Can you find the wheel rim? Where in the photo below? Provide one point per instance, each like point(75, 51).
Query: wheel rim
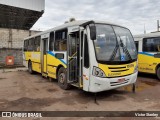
point(62, 78)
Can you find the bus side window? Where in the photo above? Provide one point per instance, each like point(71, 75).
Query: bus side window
point(30, 46)
point(33, 45)
point(37, 44)
point(86, 52)
point(51, 41)
point(25, 45)
point(61, 40)
point(137, 44)
point(150, 45)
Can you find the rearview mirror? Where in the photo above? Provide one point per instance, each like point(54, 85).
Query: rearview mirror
point(93, 32)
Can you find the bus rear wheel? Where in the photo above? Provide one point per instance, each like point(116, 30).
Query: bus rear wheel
point(30, 67)
point(62, 79)
point(158, 73)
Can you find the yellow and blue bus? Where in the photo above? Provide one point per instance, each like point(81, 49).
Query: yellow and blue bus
point(92, 55)
point(148, 46)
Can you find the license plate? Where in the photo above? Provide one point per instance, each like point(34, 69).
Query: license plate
point(121, 80)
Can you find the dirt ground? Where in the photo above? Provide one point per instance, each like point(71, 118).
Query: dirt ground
point(20, 91)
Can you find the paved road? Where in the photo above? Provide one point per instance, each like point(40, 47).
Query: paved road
point(21, 91)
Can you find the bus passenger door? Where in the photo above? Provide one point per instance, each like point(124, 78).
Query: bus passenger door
point(73, 57)
point(44, 55)
point(74, 69)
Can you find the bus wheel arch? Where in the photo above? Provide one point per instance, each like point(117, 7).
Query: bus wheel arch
point(62, 78)
point(158, 71)
point(58, 70)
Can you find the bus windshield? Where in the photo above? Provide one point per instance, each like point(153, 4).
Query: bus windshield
point(114, 43)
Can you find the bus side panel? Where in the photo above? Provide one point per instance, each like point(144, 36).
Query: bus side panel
point(36, 67)
point(52, 71)
point(147, 62)
point(52, 60)
point(52, 64)
point(27, 57)
point(35, 58)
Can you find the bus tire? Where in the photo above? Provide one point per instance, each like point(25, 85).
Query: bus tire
point(62, 79)
point(30, 67)
point(158, 73)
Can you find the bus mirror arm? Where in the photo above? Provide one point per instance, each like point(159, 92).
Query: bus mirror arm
point(92, 28)
point(93, 32)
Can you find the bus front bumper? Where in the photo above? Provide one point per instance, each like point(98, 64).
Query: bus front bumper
point(98, 84)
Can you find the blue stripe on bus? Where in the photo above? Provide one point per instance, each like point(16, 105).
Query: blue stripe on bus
point(51, 53)
point(145, 53)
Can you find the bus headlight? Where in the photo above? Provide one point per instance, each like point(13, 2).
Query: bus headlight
point(98, 72)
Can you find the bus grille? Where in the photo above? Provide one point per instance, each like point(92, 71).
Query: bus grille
point(119, 83)
point(118, 69)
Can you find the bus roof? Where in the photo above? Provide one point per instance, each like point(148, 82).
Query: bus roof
point(70, 24)
point(148, 35)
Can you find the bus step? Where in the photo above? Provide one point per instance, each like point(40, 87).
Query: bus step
point(73, 82)
point(76, 84)
point(44, 74)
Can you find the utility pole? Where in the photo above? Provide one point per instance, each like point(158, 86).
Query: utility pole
point(144, 29)
point(158, 25)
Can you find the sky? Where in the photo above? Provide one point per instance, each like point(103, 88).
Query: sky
point(133, 14)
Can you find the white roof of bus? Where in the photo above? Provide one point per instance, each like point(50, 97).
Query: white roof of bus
point(141, 36)
point(74, 23)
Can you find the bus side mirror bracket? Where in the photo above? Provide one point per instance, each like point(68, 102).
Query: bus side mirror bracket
point(92, 31)
point(59, 55)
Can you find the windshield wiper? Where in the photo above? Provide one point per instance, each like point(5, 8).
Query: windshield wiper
point(114, 52)
point(124, 48)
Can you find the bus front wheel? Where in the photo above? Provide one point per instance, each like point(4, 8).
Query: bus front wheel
point(158, 73)
point(30, 67)
point(62, 79)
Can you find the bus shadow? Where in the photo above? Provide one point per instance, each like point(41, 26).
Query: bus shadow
point(110, 95)
point(148, 79)
point(148, 76)
point(84, 97)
